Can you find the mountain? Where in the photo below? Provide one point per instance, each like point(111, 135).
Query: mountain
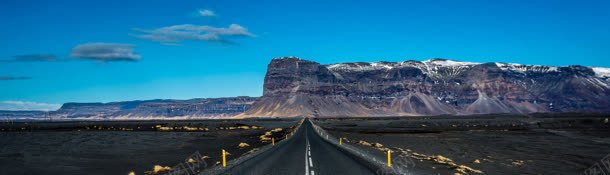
point(147, 109)
point(9, 115)
point(297, 87)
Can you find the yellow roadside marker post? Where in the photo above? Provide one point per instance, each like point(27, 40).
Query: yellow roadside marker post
point(224, 158)
point(340, 140)
point(389, 159)
point(272, 141)
point(286, 136)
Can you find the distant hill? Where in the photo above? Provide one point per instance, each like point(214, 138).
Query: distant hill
point(9, 115)
point(146, 109)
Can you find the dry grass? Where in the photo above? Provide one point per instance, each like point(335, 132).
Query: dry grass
point(266, 137)
point(244, 127)
point(439, 159)
point(518, 162)
point(243, 145)
point(277, 130)
point(180, 128)
point(157, 169)
point(365, 143)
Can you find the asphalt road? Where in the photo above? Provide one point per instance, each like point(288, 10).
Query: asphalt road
point(304, 153)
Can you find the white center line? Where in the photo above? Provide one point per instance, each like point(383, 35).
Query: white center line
point(306, 149)
point(310, 162)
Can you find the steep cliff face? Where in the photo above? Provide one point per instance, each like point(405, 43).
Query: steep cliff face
point(296, 87)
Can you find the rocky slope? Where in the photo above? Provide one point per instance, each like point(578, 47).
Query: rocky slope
point(297, 87)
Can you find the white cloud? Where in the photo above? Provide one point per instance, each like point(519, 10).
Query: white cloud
point(105, 52)
point(178, 33)
point(27, 106)
point(206, 13)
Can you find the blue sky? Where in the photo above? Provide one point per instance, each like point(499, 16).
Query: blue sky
point(89, 51)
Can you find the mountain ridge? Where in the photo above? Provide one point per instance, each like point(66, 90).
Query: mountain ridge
point(299, 87)
point(295, 87)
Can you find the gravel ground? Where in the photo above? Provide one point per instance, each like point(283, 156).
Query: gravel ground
point(534, 150)
point(70, 151)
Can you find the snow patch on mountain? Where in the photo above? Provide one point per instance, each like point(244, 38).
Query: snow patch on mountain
point(601, 72)
point(442, 67)
point(526, 68)
point(361, 66)
point(448, 63)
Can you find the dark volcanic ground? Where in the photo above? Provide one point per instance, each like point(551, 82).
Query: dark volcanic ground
point(61, 149)
point(502, 144)
point(507, 145)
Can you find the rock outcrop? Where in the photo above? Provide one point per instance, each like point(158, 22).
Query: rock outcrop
point(297, 87)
